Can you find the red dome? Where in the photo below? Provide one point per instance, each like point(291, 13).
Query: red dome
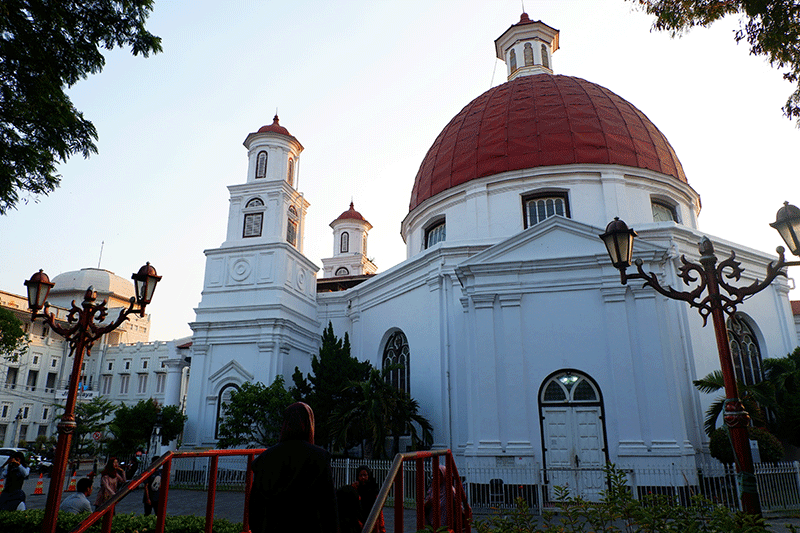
point(351, 214)
point(538, 121)
point(275, 128)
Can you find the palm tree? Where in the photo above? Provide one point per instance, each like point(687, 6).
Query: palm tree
point(754, 397)
point(376, 411)
point(784, 375)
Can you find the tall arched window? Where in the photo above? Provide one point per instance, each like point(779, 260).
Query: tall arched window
point(396, 353)
point(545, 59)
point(745, 353)
point(528, 55)
point(512, 59)
point(223, 399)
point(290, 173)
point(261, 164)
point(344, 242)
point(253, 218)
point(291, 226)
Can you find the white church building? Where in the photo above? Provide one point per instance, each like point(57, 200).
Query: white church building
point(516, 336)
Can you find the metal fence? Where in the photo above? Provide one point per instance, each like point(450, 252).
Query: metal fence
point(500, 487)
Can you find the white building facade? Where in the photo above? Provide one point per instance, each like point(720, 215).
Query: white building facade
point(517, 337)
point(515, 334)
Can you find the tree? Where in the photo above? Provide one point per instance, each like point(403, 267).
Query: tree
point(90, 417)
point(377, 411)
point(754, 398)
point(784, 375)
point(12, 336)
point(772, 29)
point(46, 47)
point(133, 426)
point(770, 448)
point(254, 415)
point(330, 382)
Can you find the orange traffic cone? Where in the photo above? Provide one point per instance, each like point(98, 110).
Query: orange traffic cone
point(72, 483)
point(39, 485)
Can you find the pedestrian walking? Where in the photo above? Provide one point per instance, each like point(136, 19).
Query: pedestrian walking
point(152, 491)
point(111, 479)
point(293, 484)
point(368, 489)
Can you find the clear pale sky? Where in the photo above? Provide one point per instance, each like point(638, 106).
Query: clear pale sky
point(366, 86)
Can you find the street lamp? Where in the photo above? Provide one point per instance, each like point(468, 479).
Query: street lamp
point(710, 277)
point(84, 326)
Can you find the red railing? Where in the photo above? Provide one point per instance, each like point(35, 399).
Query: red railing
point(454, 499)
point(106, 511)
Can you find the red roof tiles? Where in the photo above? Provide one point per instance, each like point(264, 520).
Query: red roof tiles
point(542, 120)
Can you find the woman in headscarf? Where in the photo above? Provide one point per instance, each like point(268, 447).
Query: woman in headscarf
point(293, 484)
point(368, 489)
point(111, 479)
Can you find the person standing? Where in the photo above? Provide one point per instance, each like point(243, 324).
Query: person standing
point(293, 483)
point(78, 502)
point(367, 489)
point(152, 491)
point(13, 497)
point(111, 479)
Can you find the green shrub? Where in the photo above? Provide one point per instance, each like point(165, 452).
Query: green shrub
point(769, 447)
point(31, 522)
point(617, 512)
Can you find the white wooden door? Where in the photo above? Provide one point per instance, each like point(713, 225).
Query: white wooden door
point(573, 438)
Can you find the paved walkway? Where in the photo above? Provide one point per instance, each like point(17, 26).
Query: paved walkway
point(227, 505)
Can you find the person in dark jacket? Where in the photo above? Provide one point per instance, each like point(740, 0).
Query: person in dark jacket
point(368, 490)
point(293, 483)
point(13, 497)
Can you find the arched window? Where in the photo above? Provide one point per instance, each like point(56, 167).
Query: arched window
point(364, 244)
point(291, 226)
point(545, 58)
point(253, 218)
point(396, 353)
point(344, 242)
point(528, 55)
point(342, 271)
point(542, 206)
point(435, 233)
point(745, 352)
point(290, 173)
point(512, 60)
point(569, 387)
point(223, 399)
point(261, 165)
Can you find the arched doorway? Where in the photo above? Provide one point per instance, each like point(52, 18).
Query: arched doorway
point(573, 434)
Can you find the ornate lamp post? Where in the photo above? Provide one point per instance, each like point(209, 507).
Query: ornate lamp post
point(710, 277)
point(84, 327)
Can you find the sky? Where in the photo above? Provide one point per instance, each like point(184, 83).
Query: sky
point(366, 86)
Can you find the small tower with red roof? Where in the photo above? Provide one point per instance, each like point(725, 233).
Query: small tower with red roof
point(349, 246)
